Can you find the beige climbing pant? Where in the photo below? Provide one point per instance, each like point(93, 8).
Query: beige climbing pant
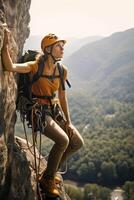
point(65, 144)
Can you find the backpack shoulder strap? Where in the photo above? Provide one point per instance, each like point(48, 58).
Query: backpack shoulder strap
point(39, 72)
point(61, 73)
point(68, 83)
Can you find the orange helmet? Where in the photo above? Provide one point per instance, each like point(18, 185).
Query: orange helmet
point(49, 40)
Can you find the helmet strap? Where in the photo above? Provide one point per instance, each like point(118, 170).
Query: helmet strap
point(54, 59)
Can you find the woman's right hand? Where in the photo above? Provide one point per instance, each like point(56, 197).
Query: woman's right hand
point(7, 35)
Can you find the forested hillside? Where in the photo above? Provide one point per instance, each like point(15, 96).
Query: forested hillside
point(108, 155)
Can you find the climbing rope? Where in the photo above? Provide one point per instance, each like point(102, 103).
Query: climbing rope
point(34, 136)
point(36, 168)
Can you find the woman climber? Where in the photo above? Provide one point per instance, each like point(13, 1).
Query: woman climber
point(67, 139)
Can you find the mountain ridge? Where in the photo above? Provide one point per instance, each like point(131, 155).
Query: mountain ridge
point(104, 65)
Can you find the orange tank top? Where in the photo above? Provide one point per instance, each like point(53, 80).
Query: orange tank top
point(44, 86)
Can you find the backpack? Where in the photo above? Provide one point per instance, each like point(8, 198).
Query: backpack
point(25, 99)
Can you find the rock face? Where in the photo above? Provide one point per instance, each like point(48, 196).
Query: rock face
point(15, 173)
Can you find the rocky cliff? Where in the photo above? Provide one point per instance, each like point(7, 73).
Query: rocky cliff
point(17, 178)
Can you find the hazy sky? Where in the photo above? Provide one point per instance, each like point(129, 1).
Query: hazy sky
point(80, 18)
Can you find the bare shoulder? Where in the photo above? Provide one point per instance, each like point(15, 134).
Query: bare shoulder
point(65, 71)
point(65, 67)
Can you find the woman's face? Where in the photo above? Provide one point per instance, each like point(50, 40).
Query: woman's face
point(58, 50)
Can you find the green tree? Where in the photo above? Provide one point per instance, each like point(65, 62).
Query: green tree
point(95, 192)
point(74, 192)
point(108, 172)
point(123, 170)
point(129, 190)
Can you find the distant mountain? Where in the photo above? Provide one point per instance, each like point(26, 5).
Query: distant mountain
point(106, 66)
point(73, 44)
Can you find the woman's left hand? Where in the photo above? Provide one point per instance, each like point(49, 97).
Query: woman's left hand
point(70, 128)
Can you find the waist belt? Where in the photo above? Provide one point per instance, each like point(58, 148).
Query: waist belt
point(44, 97)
